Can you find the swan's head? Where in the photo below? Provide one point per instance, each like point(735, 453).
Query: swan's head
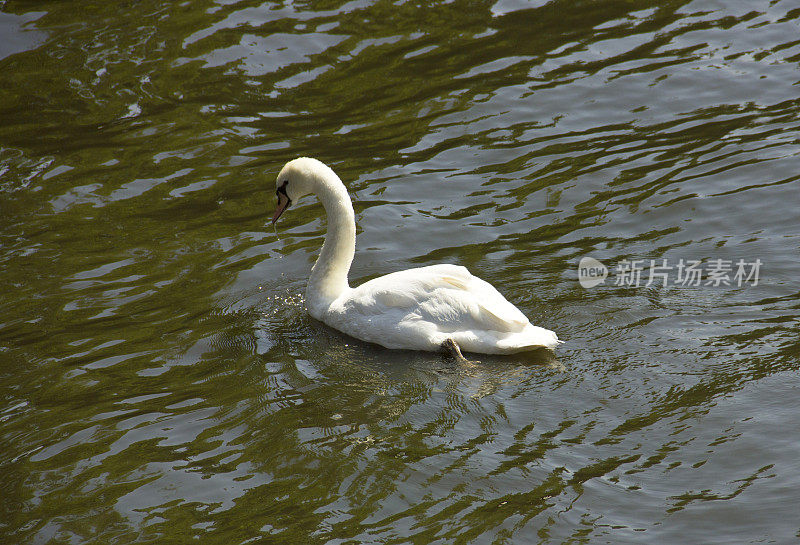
point(297, 178)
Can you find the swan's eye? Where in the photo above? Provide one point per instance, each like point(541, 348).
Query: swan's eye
point(282, 189)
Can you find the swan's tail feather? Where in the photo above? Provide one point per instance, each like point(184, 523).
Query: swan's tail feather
point(528, 339)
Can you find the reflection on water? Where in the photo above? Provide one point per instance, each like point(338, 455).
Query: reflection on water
point(160, 377)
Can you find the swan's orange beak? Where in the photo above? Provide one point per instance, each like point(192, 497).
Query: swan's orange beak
point(283, 204)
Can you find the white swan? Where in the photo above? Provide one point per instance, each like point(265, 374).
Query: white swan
point(428, 308)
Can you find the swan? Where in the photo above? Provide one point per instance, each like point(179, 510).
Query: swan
point(439, 307)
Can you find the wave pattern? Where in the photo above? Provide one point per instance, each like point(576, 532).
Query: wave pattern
point(161, 381)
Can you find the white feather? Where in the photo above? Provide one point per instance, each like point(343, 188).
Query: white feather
point(413, 309)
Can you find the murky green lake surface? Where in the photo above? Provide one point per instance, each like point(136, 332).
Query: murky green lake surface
point(161, 382)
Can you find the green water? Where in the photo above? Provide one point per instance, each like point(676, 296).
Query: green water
point(161, 381)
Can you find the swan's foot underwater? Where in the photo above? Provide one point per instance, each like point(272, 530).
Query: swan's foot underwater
point(451, 347)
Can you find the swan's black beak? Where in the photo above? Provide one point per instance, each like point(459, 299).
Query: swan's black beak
point(283, 203)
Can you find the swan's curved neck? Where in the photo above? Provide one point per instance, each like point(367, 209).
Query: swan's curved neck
point(329, 275)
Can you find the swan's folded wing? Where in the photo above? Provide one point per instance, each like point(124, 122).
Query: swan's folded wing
point(446, 295)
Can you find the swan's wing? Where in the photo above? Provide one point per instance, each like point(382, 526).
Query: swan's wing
point(445, 295)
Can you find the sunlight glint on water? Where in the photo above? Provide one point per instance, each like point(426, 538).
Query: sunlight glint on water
point(160, 378)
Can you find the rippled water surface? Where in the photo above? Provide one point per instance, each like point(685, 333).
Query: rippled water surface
point(160, 380)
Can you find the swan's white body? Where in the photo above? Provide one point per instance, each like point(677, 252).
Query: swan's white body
point(415, 309)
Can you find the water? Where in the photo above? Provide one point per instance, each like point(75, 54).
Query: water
point(159, 376)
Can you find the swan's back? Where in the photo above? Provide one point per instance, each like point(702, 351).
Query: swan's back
point(421, 308)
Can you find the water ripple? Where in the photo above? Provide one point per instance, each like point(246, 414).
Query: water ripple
point(161, 378)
